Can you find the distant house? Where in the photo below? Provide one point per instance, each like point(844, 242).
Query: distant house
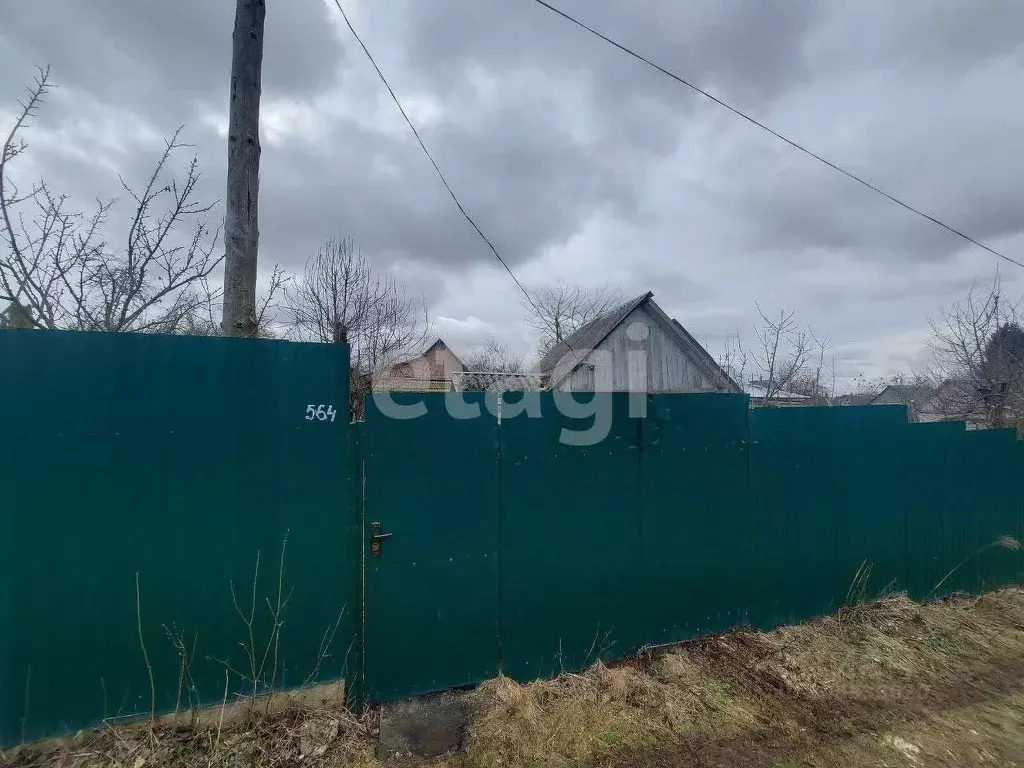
point(758, 391)
point(854, 399)
point(952, 400)
point(955, 400)
point(634, 347)
point(917, 397)
point(430, 371)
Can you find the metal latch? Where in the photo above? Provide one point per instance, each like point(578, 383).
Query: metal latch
point(376, 537)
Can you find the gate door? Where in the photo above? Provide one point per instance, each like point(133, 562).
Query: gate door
point(430, 528)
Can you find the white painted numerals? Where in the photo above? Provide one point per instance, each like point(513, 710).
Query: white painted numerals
point(320, 413)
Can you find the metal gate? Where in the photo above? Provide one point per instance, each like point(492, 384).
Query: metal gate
point(431, 546)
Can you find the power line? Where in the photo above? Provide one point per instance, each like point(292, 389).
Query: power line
point(776, 134)
point(440, 174)
point(430, 157)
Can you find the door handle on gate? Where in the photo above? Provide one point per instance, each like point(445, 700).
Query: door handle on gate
point(376, 537)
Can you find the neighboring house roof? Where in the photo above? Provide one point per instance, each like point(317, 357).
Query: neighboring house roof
point(957, 399)
point(563, 358)
point(758, 391)
point(439, 344)
point(855, 399)
point(904, 393)
point(587, 338)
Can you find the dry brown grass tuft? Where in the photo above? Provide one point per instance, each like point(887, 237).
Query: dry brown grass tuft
point(290, 736)
point(562, 721)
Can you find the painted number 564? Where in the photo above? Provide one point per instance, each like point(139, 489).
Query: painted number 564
point(320, 413)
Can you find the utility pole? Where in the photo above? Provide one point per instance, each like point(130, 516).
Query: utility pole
point(241, 225)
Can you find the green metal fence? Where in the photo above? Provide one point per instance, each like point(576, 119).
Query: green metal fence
point(141, 478)
point(160, 496)
point(702, 516)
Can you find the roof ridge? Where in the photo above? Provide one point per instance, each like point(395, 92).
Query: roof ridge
point(570, 343)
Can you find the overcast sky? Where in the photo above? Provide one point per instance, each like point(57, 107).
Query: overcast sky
point(578, 162)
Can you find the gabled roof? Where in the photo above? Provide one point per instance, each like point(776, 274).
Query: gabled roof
point(563, 358)
point(439, 344)
point(906, 393)
point(588, 337)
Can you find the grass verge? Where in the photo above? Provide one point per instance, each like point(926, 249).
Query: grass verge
point(891, 683)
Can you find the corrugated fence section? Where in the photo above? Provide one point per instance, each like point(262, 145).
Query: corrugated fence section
point(510, 551)
point(165, 503)
point(142, 479)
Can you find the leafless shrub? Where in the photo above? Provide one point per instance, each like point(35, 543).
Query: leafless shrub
point(186, 654)
point(142, 646)
point(261, 655)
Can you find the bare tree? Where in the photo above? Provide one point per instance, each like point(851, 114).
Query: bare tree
point(339, 300)
point(782, 353)
point(735, 360)
point(59, 271)
point(330, 300)
point(495, 367)
point(241, 231)
point(977, 347)
point(494, 357)
point(817, 379)
point(205, 317)
point(557, 311)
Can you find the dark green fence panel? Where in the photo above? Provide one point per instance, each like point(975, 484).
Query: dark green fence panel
point(1017, 493)
point(695, 517)
point(995, 561)
point(867, 498)
point(793, 560)
point(973, 494)
point(432, 592)
point(934, 478)
point(699, 517)
point(570, 540)
point(141, 478)
point(824, 488)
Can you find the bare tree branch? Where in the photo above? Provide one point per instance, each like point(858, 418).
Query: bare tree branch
point(813, 380)
point(783, 350)
point(339, 300)
point(558, 310)
point(267, 306)
point(735, 361)
point(495, 357)
point(59, 270)
point(977, 347)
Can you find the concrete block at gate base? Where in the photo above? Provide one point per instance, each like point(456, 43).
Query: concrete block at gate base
point(428, 726)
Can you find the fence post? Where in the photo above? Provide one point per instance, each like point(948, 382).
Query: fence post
point(355, 682)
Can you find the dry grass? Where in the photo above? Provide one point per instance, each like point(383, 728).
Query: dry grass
point(802, 693)
point(296, 736)
point(893, 683)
